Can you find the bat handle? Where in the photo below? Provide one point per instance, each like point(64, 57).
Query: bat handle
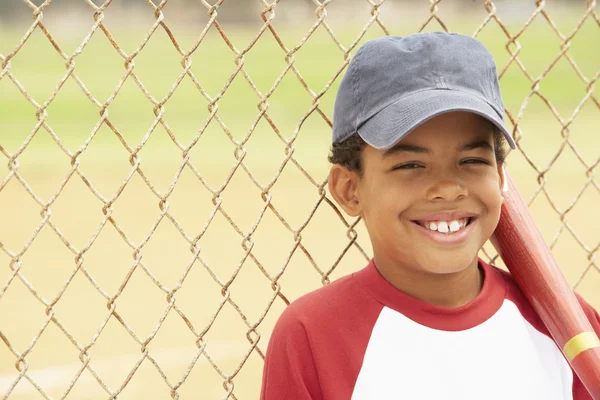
point(533, 267)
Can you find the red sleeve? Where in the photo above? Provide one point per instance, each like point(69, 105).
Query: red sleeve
point(290, 371)
point(579, 391)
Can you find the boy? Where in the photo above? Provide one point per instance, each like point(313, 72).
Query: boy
point(418, 150)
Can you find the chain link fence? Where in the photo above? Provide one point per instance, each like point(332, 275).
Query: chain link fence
point(166, 281)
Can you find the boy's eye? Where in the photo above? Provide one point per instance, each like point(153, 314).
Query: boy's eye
point(475, 161)
point(408, 166)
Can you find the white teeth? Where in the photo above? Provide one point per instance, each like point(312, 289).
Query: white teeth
point(454, 226)
point(446, 226)
point(443, 227)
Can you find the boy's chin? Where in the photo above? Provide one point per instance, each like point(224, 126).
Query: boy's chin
point(444, 265)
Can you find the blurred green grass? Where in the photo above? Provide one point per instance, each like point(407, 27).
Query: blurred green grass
point(72, 115)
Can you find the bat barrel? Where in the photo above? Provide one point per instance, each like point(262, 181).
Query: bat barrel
point(533, 267)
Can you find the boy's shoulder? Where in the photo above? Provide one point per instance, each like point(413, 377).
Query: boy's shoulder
point(326, 304)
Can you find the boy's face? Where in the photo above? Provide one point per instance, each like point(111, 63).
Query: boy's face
point(441, 176)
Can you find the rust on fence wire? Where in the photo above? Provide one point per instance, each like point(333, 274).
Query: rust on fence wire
point(253, 331)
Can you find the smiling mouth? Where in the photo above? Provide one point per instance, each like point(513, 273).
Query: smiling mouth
point(446, 227)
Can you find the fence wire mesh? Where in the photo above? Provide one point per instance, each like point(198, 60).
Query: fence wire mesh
point(237, 375)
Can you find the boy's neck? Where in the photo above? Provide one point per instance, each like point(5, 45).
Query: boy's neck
point(440, 290)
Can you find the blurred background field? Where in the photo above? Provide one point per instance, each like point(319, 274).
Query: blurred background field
point(64, 268)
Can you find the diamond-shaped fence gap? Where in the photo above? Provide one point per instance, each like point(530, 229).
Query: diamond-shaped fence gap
point(53, 352)
point(167, 254)
point(563, 88)
point(319, 46)
point(108, 260)
point(272, 244)
point(246, 213)
point(586, 143)
point(161, 160)
point(25, 313)
point(586, 210)
point(130, 113)
point(588, 286)
point(36, 266)
point(43, 165)
point(71, 116)
point(540, 46)
point(546, 218)
point(199, 296)
point(99, 66)
point(252, 290)
point(212, 157)
point(18, 117)
point(25, 66)
point(81, 309)
point(158, 65)
point(190, 203)
point(569, 255)
point(221, 246)
point(185, 113)
point(288, 104)
point(213, 62)
point(77, 224)
point(294, 196)
point(566, 179)
point(136, 210)
point(312, 147)
point(265, 152)
point(114, 354)
point(138, 387)
point(539, 121)
point(20, 215)
point(300, 277)
point(265, 61)
point(238, 108)
point(173, 348)
point(142, 304)
point(226, 339)
point(514, 84)
point(586, 38)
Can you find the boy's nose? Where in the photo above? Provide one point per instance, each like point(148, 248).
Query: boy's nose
point(447, 189)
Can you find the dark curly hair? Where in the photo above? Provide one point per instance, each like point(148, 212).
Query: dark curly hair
point(348, 152)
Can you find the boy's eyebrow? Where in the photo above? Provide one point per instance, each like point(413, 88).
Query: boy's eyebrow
point(405, 147)
point(477, 144)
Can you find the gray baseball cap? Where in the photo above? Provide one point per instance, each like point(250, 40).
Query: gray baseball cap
point(393, 84)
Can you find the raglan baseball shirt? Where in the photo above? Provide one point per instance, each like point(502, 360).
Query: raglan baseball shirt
point(360, 338)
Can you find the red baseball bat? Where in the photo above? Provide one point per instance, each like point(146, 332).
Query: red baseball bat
point(533, 267)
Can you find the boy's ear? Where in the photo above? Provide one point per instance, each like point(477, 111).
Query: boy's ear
point(343, 186)
point(502, 175)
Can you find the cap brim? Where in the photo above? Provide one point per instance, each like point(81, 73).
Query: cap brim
point(394, 122)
